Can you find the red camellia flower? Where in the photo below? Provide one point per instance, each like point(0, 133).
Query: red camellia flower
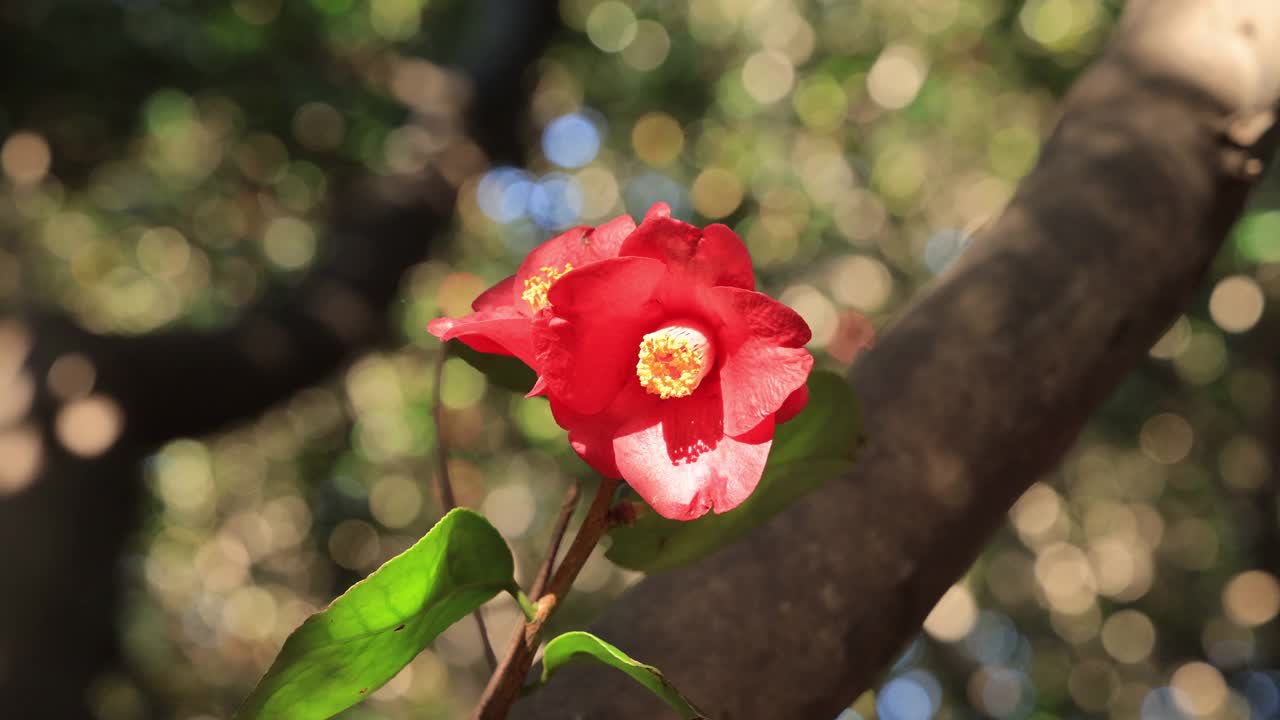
point(503, 314)
point(668, 369)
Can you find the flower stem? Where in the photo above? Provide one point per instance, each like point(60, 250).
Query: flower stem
point(447, 498)
point(504, 686)
point(557, 535)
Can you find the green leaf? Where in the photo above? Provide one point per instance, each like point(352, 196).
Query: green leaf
point(817, 445)
point(573, 645)
point(351, 648)
point(829, 427)
point(502, 370)
point(654, 543)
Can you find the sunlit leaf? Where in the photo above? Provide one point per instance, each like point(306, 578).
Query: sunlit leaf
point(829, 427)
point(582, 645)
point(351, 648)
point(502, 370)
point(817, 445)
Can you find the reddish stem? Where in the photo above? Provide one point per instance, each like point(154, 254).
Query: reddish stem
point(504, 686)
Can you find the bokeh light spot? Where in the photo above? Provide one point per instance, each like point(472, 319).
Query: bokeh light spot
point(463, 385)
point(25, 157)
point(650, 47)
point(1161, 703)
point(395, 19)
point(1257, 236)
point(1128, 636)
point(600, 192)
point(904, 699)
point(503, 194)
point(319, 126)
point(611, 26)
point(945, 247)
point(571, 141)
point(768, 76)
point(1252, 598)
point(657, 138)
point(555, 202)
point(1236, 303)
point(511, 509)
point(289, 243)
point(1174, 341)
point(1201, 690)
point(70, 376)
point(861, 282)
point(354, 545)
point(816, 309)
point(395, 501)
point(643, 190)
point(897, 76)
point(717, 192)
point(23, 453)
point(954, 616)
point(89, 426)
point(1166, 438)
point(1261, 691)
point(184, 476)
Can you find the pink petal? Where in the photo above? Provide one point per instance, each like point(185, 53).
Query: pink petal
point(587, 344)
point(575, 248)
point(681, 462)
point(499, 296)
point(501, 332)
point(793, 405)
point(763, 358)
point(714, 256)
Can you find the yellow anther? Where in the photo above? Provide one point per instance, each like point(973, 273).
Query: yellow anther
point(536, 287)
point(674, 360)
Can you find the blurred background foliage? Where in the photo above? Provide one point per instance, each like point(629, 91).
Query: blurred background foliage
point(164, 163)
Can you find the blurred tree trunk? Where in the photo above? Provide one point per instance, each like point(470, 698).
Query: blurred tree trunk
point(978, 388)
point(63, 537)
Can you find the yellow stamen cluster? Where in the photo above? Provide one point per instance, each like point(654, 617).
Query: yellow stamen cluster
point(536, 287)
point(673, 361)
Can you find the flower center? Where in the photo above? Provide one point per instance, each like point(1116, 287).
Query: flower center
point(674, 360)
point(536, 287)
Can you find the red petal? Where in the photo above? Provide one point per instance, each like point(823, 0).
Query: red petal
point(683, 464)
point(606, 240)
point(539, 388)
point(591, 436)
point(587, 344)
point(854, 334)
point(499, 296)
point(714, 256)
point(764, 361)
point(792, 406)
point(575, 248)
point(501, 332)
point(658, 210)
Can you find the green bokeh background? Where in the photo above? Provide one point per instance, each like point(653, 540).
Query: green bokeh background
point(855, 146)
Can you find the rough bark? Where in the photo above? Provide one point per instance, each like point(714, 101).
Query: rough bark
point(978, 388)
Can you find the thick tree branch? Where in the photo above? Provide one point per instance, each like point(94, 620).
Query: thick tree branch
point(977, 389)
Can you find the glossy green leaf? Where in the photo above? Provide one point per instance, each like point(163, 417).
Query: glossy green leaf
point(575, 645)
point(817, 445)
point(502, 370)
point(829, 427)
point(351, 648)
